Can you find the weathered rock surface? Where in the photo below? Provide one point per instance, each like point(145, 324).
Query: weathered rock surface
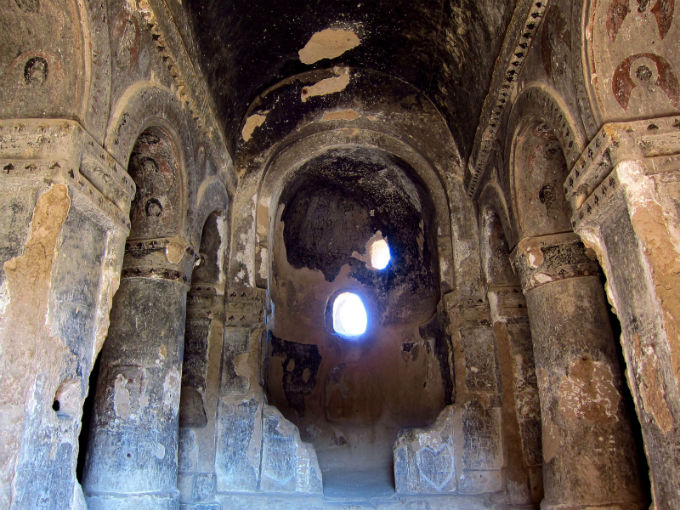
point(424, 460)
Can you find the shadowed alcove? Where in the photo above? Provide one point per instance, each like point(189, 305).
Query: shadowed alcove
point(350, 396)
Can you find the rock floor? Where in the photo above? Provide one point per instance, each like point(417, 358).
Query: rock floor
point(350, 490)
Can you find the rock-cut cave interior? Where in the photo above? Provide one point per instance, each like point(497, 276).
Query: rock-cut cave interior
point(339, 254)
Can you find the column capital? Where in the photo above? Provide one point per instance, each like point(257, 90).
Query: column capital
point(546, 259)
point(168, 258)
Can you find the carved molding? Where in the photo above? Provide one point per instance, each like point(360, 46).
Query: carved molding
point(155, 273)
point(190, 85)
point(244, 307)
point(59, 150)
point(592, 181)
point(526, 20)
point(168, 257)
point(506, 302)
point(205, 300)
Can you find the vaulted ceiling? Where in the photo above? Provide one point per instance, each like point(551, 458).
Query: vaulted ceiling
point(444, 48)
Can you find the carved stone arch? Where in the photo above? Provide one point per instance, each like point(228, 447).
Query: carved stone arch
point(540, 102)
point(146, 106)
point(61, 69)
point(282, 166)
point(540, 113)
point(211, 196)
point(590, 117)
point(97, 67)
point(492, 199)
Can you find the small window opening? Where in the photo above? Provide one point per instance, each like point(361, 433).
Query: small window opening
point(380, 254)
point(349, 315)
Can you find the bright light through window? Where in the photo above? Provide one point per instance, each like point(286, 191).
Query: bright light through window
point(349, 315)
point(380, 254)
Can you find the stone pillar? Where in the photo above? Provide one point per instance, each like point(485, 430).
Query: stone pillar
point(258, 450)
point(199, 396)
point(521, 408)
point(589, 452)
point(624, 193)
point(477, 436)
point(132, 457)
point(64, 205)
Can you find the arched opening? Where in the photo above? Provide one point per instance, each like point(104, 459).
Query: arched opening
point(201, 366)
point(349, 315)
point(520, 401)
point(131, 455)
point(350, 394)
point(577, 357)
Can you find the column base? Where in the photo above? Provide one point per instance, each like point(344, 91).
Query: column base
point(168, 500)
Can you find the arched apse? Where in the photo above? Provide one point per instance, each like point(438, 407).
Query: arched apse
point(572, 337)
point(350, 397)
point(542, 144)
point(146, 106)
point(141, 359)
point(280, 169)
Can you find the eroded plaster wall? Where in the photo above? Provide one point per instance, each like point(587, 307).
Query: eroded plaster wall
point(350, 396)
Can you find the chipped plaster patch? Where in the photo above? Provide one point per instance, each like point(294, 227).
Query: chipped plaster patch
point(264, 259)
point(252, 123)
point(175, 250)
point(4, 297)
point(171, 388)
point(534, 255)
point(159, 451)
point(349, 115)
point(332, 85)
point(121, 397)
point(223, 232)
point(328, 43)
point(588, 393)
point(652, 392)
point(541, 278)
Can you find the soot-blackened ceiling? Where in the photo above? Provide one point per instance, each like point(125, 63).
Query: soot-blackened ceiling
point(445, 48)
point(341, 199)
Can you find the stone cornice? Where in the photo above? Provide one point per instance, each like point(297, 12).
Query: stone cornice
point(523, 27)
point(592, 180)
point(191, 89)
point(61, 150)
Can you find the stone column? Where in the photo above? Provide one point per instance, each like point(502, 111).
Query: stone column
point(589, 453)
point(64, 205)
point(624, 193)
point(132, 457)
